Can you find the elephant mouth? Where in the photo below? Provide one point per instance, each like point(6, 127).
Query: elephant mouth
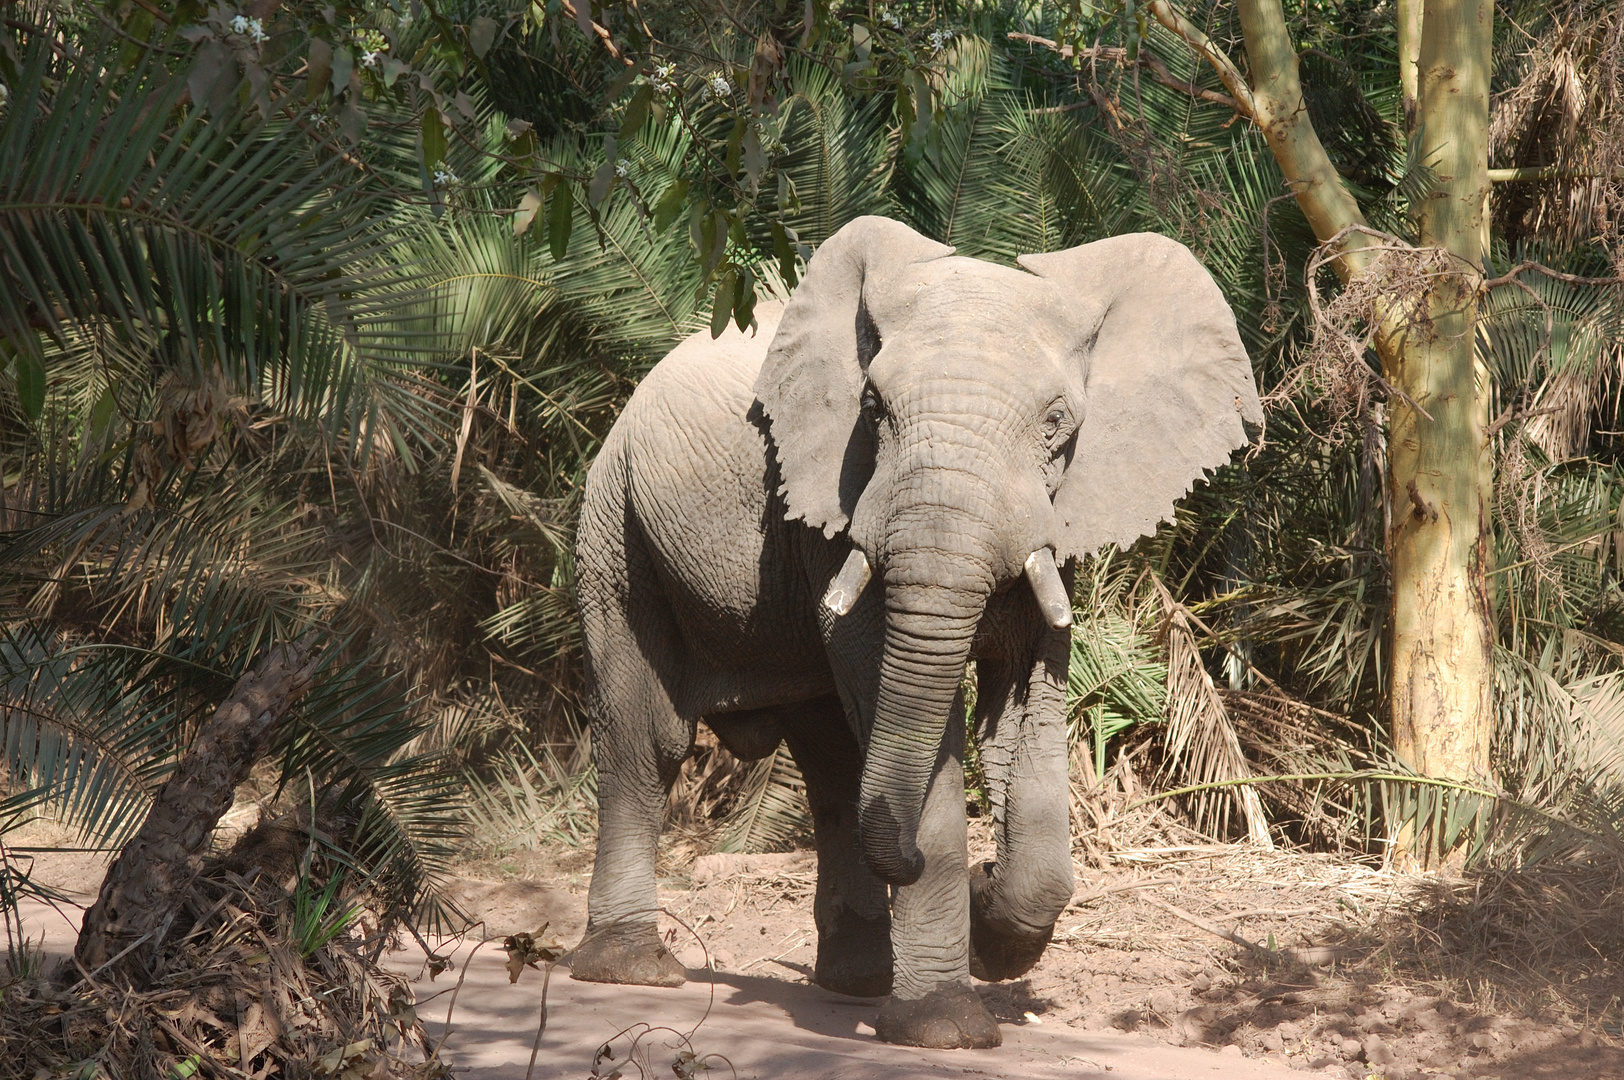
point(1040, 570)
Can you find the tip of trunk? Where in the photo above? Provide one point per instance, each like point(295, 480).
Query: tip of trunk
point(889, 847)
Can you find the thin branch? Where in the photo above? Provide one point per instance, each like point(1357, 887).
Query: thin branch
point(1546, 172)
point(1147, 60)
point(1193, 36)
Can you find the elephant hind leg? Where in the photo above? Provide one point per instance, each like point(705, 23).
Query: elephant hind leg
point(852, 909)
point(638, 743)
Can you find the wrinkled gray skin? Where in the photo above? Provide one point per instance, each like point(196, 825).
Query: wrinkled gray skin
point(947, 418)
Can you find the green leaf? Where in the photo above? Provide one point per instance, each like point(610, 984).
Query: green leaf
point(560, 216)
point(669, 205)
point(31, 384)
point(101, 413)
point(744, 300)
point(637, 111)
point(784, 252)
point(526, 213)
point(320, 68)
point(755, 159)
point(602, 181)
point(733, 142)
point(722, 309)
point(213, 76)
point(434, 141)
point(343, 68)
point(482, 35)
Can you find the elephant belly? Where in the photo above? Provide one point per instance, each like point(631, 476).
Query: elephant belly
point(697, 467)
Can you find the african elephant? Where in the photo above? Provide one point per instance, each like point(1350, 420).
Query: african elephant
point(961, 431)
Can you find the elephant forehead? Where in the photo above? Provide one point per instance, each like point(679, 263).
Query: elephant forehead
point(974, 302)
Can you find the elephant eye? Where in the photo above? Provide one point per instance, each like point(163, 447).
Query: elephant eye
point(1054, 421)
point(873, 407)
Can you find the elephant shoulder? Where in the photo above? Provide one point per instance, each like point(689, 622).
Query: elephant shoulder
point(689, 421)
point(717, 370)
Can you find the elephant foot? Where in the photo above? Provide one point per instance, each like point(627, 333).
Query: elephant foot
point(949, 1019)
point(628, 953)
point(995, 953)
point(855, 958)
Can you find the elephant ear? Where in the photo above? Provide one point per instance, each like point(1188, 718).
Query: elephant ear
point(1169, 385)
point(811, 383)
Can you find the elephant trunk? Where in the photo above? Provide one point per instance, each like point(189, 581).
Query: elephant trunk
point(933, 603)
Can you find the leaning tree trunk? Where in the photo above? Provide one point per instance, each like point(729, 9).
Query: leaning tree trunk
point(1440, 468)
point(148, 881)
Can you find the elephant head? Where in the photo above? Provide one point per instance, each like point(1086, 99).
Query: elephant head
point(968, 425)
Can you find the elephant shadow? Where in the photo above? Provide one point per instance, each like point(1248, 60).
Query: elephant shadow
point(839, 1016)
point(809, 1007)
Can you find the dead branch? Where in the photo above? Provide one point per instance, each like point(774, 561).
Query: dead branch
point(1147, 60)
point(152, 874)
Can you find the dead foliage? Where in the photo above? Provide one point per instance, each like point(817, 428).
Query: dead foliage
point(253, 981)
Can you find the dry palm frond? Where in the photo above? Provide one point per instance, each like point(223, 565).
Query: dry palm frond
point(1561, 116)
point(771, 810)
point(1200, 742)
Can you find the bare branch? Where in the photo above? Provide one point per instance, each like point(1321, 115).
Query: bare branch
point(1193, 36)
point(1147, 60)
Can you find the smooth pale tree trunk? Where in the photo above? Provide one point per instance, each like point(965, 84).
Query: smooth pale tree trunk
point(1440, 469)
point(1409, 60)
point(1440, 549)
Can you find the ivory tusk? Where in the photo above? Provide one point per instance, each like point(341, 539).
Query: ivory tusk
point(848, 585)
point(1044, 577)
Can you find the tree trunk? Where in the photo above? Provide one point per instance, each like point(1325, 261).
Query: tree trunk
point(1440, 469)
point(1409, 61)
point(148, 881)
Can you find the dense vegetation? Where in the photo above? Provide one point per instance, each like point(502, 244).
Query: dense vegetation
point(313, 317)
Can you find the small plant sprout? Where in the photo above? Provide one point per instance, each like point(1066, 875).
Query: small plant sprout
point(252, 29)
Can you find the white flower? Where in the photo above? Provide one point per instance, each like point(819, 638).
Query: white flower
point(444, 177)
point(939, 39)
point(622, 170)
point(890, 19)
point(370, 59)
point(719, 86)
point(252, 29)
point(664, 79)
point(5, 95)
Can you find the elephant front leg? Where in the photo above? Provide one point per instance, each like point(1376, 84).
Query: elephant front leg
point(932, 1002)
point(1015, 901)
point(852, 909)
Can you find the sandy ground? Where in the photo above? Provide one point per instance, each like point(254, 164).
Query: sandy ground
point(1130, 987)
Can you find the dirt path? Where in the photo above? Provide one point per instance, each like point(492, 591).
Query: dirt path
point(766, 1028)
point(1129, 988)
